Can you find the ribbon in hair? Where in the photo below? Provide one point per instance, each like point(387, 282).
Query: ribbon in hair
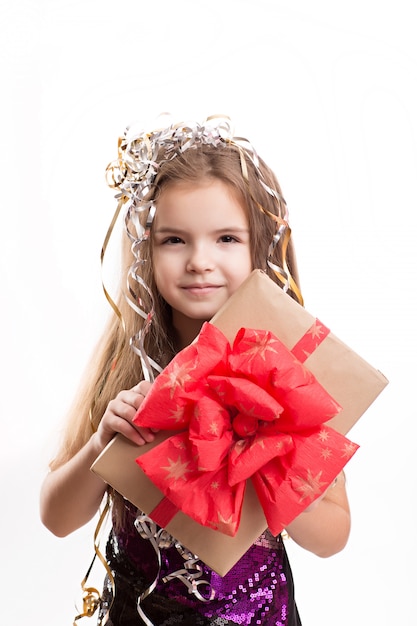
point(140, 155)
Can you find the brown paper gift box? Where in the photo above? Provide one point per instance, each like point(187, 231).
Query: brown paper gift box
point(262, 305)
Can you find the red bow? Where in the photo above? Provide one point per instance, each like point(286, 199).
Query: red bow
point(247, 411)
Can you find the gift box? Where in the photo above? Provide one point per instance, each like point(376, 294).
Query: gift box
point(350, 385)
point(350, 380)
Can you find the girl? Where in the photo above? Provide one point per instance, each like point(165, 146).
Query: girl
point(202, 211)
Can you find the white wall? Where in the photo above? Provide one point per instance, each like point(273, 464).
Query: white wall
point(327, 93)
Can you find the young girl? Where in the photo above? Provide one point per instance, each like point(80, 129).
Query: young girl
point(202, 210)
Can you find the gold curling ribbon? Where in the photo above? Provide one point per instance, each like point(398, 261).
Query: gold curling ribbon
point(283, 274)
point(91, 596)
point(292, 284)
point(110, 229)
point(109, 299)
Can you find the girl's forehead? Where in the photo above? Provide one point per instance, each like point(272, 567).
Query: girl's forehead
point(202, 188)
point(211, 201)
point(201, 191)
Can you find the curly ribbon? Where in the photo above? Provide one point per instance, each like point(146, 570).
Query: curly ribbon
point(133, 173)
point(148, 530)
point(136, 342)
point(189, 575)
point(91, 596)
point(107, 237)
point(251, 410)
point(283, 229)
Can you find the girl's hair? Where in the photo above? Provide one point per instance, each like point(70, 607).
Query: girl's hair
point(221, 163)
point(114, 365)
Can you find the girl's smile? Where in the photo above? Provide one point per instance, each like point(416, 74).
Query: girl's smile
point(201, 250)
point(200, 290)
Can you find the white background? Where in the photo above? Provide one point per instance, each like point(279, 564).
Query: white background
point(326, 91)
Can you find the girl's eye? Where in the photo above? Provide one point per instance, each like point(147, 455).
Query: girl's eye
point(172, 240)
point(227, 239)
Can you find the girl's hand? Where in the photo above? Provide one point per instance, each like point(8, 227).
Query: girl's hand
point(119, 415)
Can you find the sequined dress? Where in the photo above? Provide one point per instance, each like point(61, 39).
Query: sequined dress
point(257, 590)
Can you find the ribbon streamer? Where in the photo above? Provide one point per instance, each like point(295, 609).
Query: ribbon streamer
point(91, 596)
point(189, 575)
point(148, 530)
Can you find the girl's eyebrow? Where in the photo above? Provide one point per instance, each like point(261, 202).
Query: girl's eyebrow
point(226, 229)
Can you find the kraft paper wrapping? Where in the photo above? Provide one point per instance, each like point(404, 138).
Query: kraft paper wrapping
point(259, 304)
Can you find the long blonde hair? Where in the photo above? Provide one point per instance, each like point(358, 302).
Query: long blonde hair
point(114, 365)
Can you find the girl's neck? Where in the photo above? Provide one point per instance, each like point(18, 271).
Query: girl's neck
point(184, 336)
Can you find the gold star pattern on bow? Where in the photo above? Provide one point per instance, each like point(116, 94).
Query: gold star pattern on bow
point(178, 376)
point(306, 373)
point(219, 391)
point(250, 412)
point(259, 347)
point(240, 445)
point(310, 486)
point(176, 469)
point(229, 523)
point(326, 453)
point(279, 445)
point(323, 435)
point(176, 414)
point(223, 520)
point(196, 413)
point(260, 441)
point(348, 449)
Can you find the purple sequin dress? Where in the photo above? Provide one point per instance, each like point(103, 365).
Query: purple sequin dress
point(257, 590)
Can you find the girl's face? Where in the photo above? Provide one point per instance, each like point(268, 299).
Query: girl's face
point(201, 251)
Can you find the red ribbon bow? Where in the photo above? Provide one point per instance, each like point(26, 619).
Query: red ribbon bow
point(251, 410)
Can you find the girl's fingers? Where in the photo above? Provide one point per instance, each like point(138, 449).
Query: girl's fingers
point(119, 415)
point(142, 387)
point(139, 436)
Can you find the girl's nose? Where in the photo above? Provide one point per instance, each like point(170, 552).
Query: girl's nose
point(200, 260)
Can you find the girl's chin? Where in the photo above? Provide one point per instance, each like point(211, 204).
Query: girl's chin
point(198, 317)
